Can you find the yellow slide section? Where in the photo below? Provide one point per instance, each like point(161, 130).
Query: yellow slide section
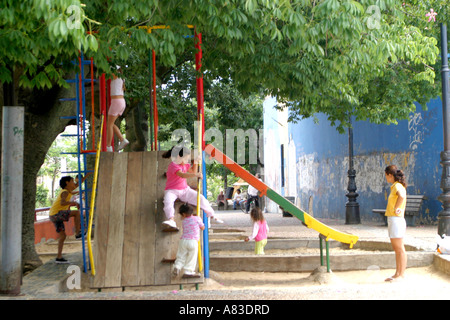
point(310, 222)
point(329, 232)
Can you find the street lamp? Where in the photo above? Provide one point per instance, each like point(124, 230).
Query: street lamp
point(352, 206)
point(444, 215)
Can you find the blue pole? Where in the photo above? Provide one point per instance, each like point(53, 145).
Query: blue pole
point(79, 162)
point(83, 186)
point(205, 219)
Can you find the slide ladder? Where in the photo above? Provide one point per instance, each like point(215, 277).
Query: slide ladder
point(325, 231)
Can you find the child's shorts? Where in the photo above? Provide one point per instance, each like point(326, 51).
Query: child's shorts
point(117, 107)
point(396, 227)
point(59, 218)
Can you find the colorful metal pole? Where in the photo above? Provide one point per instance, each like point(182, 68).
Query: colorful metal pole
point(199, 186)
point(201, 117)
point(92, 205)
point(200, 98)
point(150, 78)
point(155, 107)
point(103, 109)
point(92, 104)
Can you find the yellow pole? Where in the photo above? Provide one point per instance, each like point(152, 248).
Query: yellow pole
point(199, 185)
point(91, 210)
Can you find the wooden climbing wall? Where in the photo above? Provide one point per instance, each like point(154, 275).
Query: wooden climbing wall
point(130, 247)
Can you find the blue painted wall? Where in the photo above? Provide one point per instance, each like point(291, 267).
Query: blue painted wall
point(321, 156)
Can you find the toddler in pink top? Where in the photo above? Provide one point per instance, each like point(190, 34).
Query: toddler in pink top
point(188, 245)
point(177, 188)
point(260, 230)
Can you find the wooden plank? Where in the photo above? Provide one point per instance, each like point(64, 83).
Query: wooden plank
point(116, 221)
point(146, 271)
point(101, 217)
point(131, 241)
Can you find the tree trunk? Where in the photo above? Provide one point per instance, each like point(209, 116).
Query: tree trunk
point(42, 125)
point(137, 127)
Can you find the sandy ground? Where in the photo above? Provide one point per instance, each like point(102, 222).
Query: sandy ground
point(370, 283)
point(419, 283)
point(48, 250)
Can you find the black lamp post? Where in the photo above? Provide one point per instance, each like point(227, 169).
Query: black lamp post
point(352, 206)
point(444, 215)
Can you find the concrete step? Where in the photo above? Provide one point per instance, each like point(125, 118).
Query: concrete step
point(308, 263)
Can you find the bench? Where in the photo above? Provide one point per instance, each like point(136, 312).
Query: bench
point(413, 206)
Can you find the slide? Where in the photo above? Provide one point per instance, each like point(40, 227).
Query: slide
point(309, 221)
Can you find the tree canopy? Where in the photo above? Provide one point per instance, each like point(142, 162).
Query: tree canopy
point(368, 58)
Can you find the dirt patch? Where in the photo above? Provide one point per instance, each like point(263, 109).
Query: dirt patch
point(48, 250)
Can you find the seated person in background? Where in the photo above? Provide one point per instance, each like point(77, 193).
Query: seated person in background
point(252, 195)
point(221, 199)
point(237, 199)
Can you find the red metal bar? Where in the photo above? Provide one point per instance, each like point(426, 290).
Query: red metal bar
point(40, 210)
point(103, 108)
point(80, 106)
point(92, 104)
point(108, 104)
point(200, 97)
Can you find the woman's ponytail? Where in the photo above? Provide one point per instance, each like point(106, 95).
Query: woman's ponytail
point(399, 176)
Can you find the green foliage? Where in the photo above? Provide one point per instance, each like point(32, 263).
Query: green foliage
point(51, 169)
point(37, 36)
point(42, 199)
point(368, 58)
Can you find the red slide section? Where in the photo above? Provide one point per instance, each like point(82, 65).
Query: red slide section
point(234, 167)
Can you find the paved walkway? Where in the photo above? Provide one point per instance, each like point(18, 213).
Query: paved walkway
point(48, 281)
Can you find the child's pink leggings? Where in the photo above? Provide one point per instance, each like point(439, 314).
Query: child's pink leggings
point(186, 195)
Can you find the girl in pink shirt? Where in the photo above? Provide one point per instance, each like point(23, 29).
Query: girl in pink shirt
point(177, 188)
point(260, 230)
point(188, 245)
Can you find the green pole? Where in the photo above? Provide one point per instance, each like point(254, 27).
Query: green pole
point(321, 250)
point(328, 255)
point(151, 103)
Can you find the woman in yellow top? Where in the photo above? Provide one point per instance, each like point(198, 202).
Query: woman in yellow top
point(395, 213)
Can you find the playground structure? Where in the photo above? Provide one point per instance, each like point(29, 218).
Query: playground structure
point(131, 247)
point(88, 195)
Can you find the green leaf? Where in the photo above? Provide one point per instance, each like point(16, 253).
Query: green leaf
point(92, 42)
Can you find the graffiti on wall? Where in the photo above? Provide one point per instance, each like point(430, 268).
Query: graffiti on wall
point(416, 130)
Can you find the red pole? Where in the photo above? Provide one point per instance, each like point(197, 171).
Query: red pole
point(80, 106)
point(92, 104)
point(200, 98)
point(108, 104)
point(103, 109)
point(155, 107)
